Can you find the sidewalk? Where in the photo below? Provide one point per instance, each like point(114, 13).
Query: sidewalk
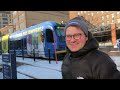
point(38, 69)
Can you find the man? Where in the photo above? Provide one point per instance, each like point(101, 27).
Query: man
point(83, 59)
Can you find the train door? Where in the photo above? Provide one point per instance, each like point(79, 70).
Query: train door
point(49, 43)
point(41, 44)
point(29, 45)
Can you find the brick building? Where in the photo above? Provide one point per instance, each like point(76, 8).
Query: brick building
point(102, 19)
point(5, 18)
point(24, 19)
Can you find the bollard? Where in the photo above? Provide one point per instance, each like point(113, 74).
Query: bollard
point(49, 55)
point(22, 54)
point(34, 54)
point(23, 49)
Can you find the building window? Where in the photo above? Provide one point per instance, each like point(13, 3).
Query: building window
point(112, 15)
point(5, 22)
point(17, 27)
point(4, 15)
point(78, 13)
point(112, 18)
point(107, 17)
point(4, 25)
point(21, 16)
point(10, 30)
point(102, 18)
point(14, 13)
point(15, 20)
point(112, 21)
point(5, 19)
point(91, 14)
point(22, 26)
point(81, 12)
point(118, 13)
point(19, 11)
point(103, 24)
point(118, 20)
point(108, 22)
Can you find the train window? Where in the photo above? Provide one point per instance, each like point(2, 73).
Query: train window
point(11, 45)
point(0, 46)
point(24, 43)
point(18, 44)
point(60, 32)
point(49, 36)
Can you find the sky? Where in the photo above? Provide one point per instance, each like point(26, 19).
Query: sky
point(41, 69)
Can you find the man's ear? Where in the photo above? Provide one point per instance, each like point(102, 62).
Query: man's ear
point(86, 38)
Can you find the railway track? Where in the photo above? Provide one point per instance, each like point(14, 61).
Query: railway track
point(40, 66)
point(27, 75)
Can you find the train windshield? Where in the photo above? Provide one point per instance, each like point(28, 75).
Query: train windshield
point(60, 33)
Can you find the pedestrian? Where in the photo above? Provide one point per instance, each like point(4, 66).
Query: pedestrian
point(83, 59)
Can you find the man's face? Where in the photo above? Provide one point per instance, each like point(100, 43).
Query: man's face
point(75, 38)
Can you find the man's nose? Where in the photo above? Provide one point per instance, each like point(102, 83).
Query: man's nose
point(72, 39)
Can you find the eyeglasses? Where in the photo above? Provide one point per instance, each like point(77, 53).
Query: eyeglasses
point(75, 36)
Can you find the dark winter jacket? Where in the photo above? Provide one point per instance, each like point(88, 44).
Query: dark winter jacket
point(89, 63)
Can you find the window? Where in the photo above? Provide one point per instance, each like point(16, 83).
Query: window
point(103, 24)
point(91, 14)
point(17, 27)
point(118, 13)
point(81, 12)
point(107, 17)
point(11, 45)
point(5, 19)
point(4, 15)
point(18, 44)
point(102, 18)
point(22, 25)
point(112, 21)
point(14, 13)
point(24, 43)
point(49, 36)
point(21, 16)
point(5, 22)
point(108, 22)
point(15, 20)
point(10, 30)
point(4, 25)
point(118, 20)
point(112, 15)
point(78, 13)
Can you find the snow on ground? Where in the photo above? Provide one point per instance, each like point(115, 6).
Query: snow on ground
point(41, 69)
point(116, 59)
point(38, 69)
